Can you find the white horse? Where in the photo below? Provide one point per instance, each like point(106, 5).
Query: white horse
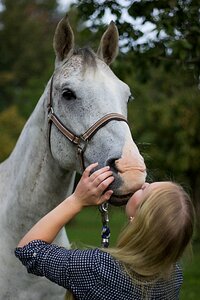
point(41, 169)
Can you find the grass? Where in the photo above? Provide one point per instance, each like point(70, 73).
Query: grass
point(191, 269)
point(85, 230)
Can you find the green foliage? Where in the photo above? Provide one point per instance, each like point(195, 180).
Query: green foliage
point(174, 25)
point(170, 128)
point(11, 124)
point(26, 54)
point(170, 121)
point(26, 63)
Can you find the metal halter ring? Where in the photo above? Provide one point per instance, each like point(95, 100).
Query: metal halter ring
point(105, 233)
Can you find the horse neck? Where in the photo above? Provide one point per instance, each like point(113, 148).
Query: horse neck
point(34, 183)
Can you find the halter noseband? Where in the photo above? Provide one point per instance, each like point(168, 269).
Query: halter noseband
point(82, 140)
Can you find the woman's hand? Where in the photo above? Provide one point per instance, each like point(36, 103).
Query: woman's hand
point(91, 189)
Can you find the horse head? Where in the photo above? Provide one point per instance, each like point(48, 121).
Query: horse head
point(83, 91)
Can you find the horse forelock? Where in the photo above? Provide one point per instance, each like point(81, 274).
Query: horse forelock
point(88, 56)
point(80, 59)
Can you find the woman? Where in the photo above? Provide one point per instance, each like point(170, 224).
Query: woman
point(144, 263)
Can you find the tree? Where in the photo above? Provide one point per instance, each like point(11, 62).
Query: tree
point(26, 62)
point(165, 122)
point(26, 54)
point(11, 124)
point(175, 30)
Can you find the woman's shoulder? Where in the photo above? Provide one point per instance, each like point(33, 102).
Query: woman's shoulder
point(178, 273)
point(105, 258)
point(96, 256)
point(111, 269)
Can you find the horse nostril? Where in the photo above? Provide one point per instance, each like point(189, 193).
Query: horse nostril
point(111, 164)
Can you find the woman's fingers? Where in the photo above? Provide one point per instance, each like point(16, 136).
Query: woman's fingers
point(97, 173)
point(106, 196)
point(100, 178)
point(87, 171)
point(105, 184)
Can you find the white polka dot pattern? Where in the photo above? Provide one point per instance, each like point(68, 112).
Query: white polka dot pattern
point(92, 274)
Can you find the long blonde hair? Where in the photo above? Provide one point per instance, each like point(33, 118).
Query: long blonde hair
point(161, 230)
point(159, 233)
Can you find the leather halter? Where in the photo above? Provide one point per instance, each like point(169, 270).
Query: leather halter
point(82, 140)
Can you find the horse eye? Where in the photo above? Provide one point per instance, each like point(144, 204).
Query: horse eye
point(130, 98)
point(68, 94)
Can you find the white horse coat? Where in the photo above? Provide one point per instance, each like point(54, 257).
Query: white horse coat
point(33, 180)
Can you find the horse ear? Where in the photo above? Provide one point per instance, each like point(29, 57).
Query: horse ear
point(63, 42)
point(108, 48)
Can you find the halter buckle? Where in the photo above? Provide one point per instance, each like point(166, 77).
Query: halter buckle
point(50, 113)
point(82, 144)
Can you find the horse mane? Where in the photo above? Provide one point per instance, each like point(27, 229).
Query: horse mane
point(88, 56)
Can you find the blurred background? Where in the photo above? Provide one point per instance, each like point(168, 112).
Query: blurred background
point(159, 59)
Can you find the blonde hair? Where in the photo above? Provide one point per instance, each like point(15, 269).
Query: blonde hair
point(160, 232)
point(69, 296)
point(162, 228)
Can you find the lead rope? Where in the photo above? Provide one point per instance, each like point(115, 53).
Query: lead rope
point(105, 232)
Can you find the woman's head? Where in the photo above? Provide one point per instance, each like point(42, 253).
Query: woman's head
point(162, 227)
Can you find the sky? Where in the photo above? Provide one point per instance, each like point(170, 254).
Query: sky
point(64, 4)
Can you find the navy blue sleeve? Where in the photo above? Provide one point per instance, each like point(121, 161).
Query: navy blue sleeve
point(43, 259)
point(68, 268)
